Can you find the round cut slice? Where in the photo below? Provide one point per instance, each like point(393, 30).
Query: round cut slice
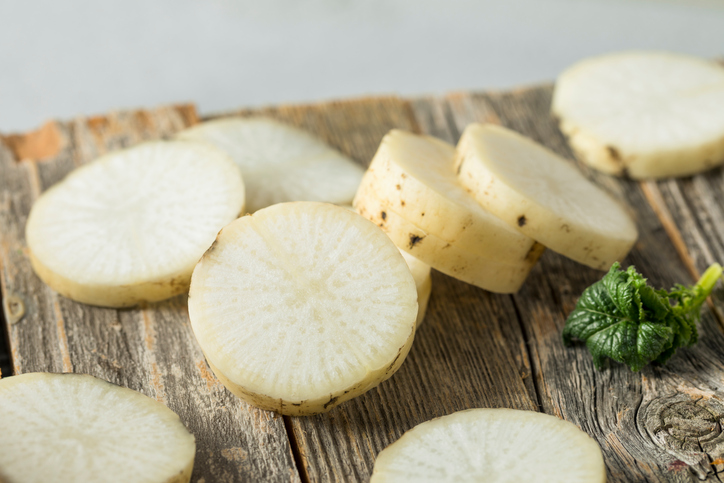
point(279, 162)
point(423, 282)
point(543, 196)
point(468, 266)
point(76, 428)
point(415, 176)
point(494, 446)
point(303, 306)
point(130, 226)
point(644, 114)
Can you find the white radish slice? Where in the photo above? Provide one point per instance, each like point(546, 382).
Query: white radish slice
point(423, 282)
point(470, 267)
point(494, 446)
point(303, 306)
point(279, 162)
point(544, 196)
point(130, 226)
point(76, 428)
point(414, 175)
point(645, 114)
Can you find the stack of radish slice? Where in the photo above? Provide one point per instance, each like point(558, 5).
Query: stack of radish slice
point(484, 212)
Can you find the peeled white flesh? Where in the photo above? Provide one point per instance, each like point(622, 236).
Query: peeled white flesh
point(415, 176)
point(423, 282)
point(130, 226)
point(303, 306)
point(469, 266)
point(644, 114)
point(543, 196)
point(492, 446)
point(75, 428)
point(280, 163)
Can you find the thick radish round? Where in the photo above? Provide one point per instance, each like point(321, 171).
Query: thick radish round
point(279, 162)
point(303, 306)
point(469, 266)
point(423, 282)
point(415, 176)
point(644, 114)
point(130, 226)
point(494, 446)
point(544, 196)
point(76, 428)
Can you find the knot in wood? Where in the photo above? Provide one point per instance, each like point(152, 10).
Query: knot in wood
point(689, 428)
point(14, 308)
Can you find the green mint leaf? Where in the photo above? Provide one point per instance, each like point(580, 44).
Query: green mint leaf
point(622, 318)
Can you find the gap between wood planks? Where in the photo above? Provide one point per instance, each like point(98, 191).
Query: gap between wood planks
point(657, 203)
point(6, 368)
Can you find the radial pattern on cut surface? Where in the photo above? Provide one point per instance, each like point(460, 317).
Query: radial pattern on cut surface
point(302, 300)
point(76, 428)
point(136, 215)
point(494, 446)
point(279, 162)
point(644, 101)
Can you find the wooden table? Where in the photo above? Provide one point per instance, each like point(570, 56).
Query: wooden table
point(475, 349)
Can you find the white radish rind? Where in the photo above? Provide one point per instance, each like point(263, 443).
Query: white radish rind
point(543, 196)
point(279, 162)
point(643, 114)
point(303, 306)
point(77, 428)
point(130, 226)
point(423, 282)
point(494, 446)
point(468, 266)
point(414, 175)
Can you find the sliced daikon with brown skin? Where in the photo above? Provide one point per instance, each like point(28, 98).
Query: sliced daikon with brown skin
point(470, 267)
point(130, 226)
point(303, 306)
point(423, 282)
point(494, 446)
point(643, 114)
point(544, 196)
point(415, 176)
point(280, 163)
point(77, 428)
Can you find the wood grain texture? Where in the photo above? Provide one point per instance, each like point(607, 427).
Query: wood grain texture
point(150, 349)
point(474, 349)
point(662, 424)
point(461, 357)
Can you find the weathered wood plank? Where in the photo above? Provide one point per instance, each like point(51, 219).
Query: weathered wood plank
point(461, 357)
point(646, 423)
point(150, 349)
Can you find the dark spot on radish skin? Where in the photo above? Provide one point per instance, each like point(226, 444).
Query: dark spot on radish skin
point(402, 203)
point(521, 220)
point(398, 187)
point(460, 168)
point(566, 228)
point(414, 239)
point(383, 215)
point(331, 401)
point(613, 152)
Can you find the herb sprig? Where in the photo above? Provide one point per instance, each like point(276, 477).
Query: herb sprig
point(622, 318)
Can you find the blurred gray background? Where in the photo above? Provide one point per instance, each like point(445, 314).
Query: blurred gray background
point(59, 59)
